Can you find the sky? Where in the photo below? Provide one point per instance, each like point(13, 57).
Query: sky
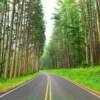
point(48, 9)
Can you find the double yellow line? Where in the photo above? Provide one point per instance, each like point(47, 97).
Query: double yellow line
point(48, 90)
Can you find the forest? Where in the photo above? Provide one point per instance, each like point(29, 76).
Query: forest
point(76, 35)
point(75, 40)
point(21, 37)
point(68, 66)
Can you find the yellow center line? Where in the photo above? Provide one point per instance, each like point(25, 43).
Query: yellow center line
point(48, 89)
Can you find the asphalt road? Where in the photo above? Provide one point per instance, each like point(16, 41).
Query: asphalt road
point(49, 87)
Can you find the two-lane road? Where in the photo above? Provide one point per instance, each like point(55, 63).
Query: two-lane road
point(49, 87)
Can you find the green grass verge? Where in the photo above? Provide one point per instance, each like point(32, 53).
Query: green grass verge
point(87, 76)
point(11, 83)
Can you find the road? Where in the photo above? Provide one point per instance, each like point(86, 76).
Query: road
point(49, 87)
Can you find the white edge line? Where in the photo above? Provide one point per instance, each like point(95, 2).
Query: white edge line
point(1, 96)
point(86, 90)
point(77, 84)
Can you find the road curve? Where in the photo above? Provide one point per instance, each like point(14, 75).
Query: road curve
point(49, 87)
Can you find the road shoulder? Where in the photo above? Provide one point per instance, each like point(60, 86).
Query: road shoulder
point(4, 92)
point(91, 91)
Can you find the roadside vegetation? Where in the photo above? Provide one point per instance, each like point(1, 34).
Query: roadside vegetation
point(8, 84)
point(89, 77)
point(21, 41)
point(21, 37)
point(75, 42)
point(76, 35)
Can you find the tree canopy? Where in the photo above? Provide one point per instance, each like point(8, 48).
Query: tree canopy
point(75, 39)
point(21, 37)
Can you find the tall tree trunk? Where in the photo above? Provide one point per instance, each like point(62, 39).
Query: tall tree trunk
point(8, 56)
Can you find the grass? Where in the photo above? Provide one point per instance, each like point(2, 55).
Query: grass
point(89, 77)
point(11, 83)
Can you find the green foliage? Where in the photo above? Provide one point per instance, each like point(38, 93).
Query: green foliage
point(21, 37)
point(11, 83)
point(67, 45)
point(1, 6)
point(86, 76)
point(35, 17)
